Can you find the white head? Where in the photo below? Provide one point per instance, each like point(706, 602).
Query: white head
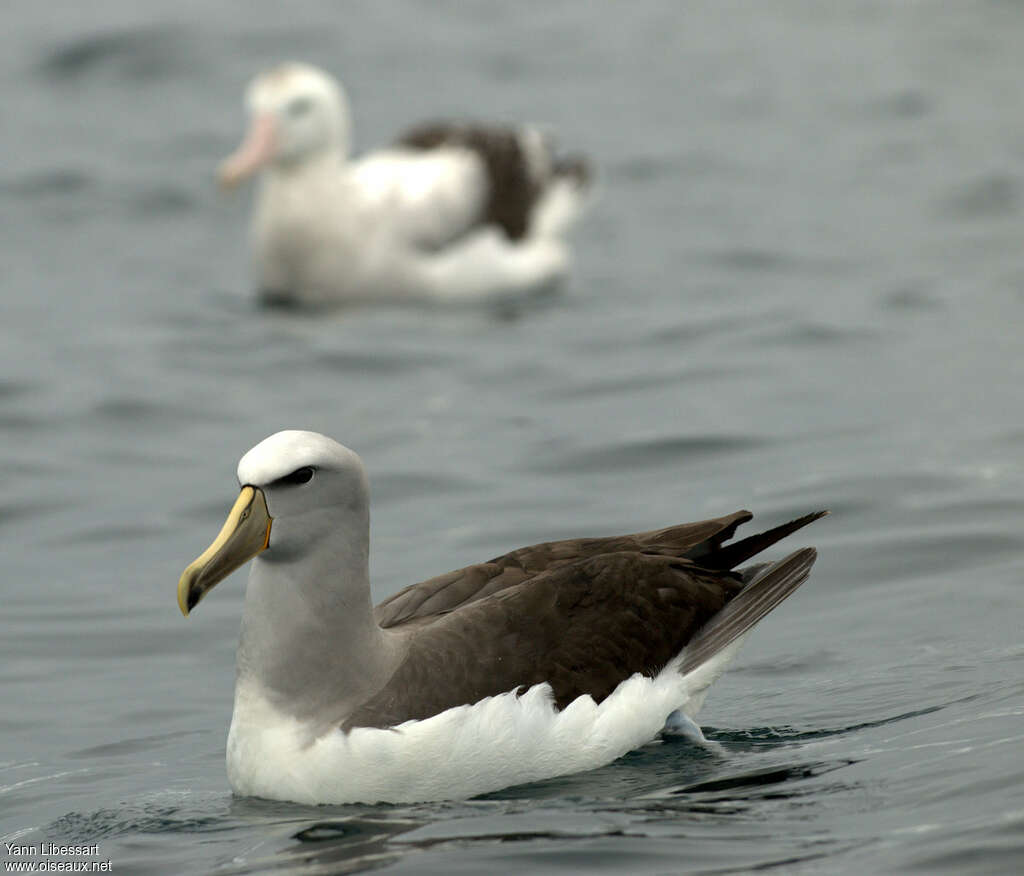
point(296, 112)
point(313, 486)
point(304, 499)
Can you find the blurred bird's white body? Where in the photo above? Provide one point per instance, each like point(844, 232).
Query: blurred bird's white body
point(401, 224)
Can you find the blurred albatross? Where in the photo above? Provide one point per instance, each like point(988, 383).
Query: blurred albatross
point(451, 212)
point(549, 660)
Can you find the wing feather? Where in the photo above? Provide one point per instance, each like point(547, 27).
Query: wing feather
point(429, 599)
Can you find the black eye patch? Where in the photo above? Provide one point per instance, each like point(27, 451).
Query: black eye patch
point(300, 476)
point(299, 106)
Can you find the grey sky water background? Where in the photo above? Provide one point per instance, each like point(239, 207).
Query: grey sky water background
point(801, 287)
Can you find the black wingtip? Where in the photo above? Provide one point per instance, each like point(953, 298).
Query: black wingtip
point(576, 167)
point(731, 555)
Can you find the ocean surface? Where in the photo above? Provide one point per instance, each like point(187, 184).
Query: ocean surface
point(801, 287)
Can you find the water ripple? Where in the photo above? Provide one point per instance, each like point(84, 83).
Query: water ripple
point(133, 55)
point(818, 334)
point(762, 777)
point(59, 181)
point(648, 453)
point(993, 195)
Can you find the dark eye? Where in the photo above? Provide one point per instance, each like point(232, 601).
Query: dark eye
point(300, 476)
point(298, 107)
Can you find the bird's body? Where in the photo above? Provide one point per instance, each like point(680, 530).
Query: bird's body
point(548, 660)
point(451, 212)
point(502, 740)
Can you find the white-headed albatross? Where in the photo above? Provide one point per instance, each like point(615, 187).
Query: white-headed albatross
point(450, 212)
point(549, 660)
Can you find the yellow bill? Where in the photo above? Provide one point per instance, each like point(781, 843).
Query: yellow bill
point(245, 533)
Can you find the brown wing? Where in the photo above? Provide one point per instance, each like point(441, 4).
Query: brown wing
point(582, 627)
point(511, 184)
point(429, 600)
point(581, 615)
point(516, 179)
point(771, 584)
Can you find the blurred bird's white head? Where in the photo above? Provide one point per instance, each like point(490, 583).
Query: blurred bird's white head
point(296, 112)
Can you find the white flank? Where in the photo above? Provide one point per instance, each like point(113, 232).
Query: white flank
point(498, 742)
point(400, 224)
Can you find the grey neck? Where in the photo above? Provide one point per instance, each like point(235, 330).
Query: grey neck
point(309, 641)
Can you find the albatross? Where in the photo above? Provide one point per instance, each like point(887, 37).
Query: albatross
point(549, 660)
point(451, 212)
